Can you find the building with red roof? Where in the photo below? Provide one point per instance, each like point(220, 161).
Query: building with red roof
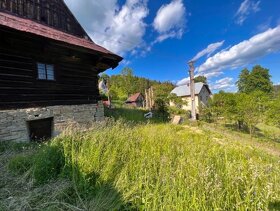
point(49, 70)
point(136, 100)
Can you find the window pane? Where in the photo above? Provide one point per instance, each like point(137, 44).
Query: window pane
point(41, 71)
point(50, 72)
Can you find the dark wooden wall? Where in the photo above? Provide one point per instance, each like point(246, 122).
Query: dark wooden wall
point(53, 13)
point(76, 80)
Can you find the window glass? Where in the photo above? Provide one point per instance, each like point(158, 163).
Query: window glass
point(50, 72)
point(45, 71)
point(41, 71)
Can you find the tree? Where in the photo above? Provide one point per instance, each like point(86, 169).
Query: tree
point(273, 112)
point(127, 81)
point(104, 76)
point(256, 80)
point(201, 79)
point(251, 107)
point(243, 82)
point(162, 91)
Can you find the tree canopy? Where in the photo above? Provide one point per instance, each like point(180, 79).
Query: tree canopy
point(201, 79)
point(256, 80)
point(125, 84)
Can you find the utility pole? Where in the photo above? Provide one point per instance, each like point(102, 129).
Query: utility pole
point(192, 89)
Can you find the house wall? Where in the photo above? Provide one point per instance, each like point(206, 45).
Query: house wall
point(188, 107)
point(202, 98)
point(76, 75)
point(13, 123)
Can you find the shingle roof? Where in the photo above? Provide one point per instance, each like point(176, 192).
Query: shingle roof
point(29, 26)
point(185, 90)
point(133, 98)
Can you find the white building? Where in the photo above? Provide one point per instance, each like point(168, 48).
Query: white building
point(202, 95)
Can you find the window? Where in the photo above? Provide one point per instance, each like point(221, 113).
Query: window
point(45, 71)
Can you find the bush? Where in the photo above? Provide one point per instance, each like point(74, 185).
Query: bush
point(49, 163)
point(20, 164)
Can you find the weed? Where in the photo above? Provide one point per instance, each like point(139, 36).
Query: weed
point(48, 164)
point(21, 164)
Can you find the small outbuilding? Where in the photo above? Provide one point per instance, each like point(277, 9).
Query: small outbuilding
point(137, 100)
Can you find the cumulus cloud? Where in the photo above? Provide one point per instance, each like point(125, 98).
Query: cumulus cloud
point(183, 82)
point(243, 53)
point(224, 83)
point(246, 8)
point(209, 50)
point(120, 28)
point(170, 20)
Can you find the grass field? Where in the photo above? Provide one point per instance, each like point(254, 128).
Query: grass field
point(123, 166)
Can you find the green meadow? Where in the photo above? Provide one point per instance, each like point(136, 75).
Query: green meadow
point(121, 165)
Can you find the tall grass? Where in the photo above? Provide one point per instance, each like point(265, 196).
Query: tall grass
point(119, 166)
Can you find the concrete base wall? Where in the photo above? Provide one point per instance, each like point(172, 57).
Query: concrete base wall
point(14, 127)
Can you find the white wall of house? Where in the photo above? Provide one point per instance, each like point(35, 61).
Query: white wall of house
point(202, 98)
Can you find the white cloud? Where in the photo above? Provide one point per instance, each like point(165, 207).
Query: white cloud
point(246, 8)
point(183, 82)
point(224, 83)
point(170, 20)
point(212, 74)
point(120, 28)
point(209, 50)
point(243, 53)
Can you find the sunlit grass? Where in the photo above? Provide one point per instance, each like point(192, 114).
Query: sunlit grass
point(164, 167)
point(119, 166)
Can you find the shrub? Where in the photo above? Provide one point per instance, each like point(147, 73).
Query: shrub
point(48, 164)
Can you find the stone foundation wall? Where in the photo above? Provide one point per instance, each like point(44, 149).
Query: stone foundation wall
point(14, 127)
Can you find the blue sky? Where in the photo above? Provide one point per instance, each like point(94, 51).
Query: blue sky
point(157, 38)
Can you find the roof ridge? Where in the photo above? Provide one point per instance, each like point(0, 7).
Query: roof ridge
point(33, 27)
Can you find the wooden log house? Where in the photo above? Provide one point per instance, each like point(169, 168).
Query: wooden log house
point(49, 70)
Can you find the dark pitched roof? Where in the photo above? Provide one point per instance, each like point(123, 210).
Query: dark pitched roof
point(134, 98)
point(29, 26)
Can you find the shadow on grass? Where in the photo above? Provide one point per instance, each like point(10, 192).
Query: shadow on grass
point(274, 205)
point(244, 129)
point(97, 194)
point(87, 191)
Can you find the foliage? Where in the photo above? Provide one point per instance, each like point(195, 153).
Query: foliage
point(244, 109)
point(126, 84)
point(177, 101)
point(256, 80)
point(162, 91)
point(273, 112)
point(161, 110)
point(201, 79)
point(251, 108)
point(276, 90)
